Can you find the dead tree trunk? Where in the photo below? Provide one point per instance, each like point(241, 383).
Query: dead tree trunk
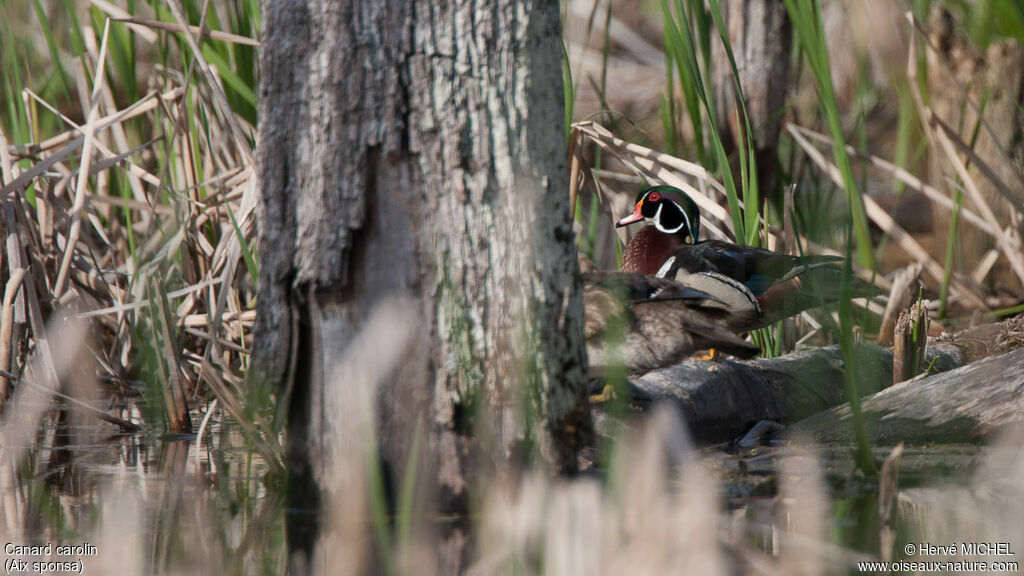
point(759, 32)
point(417, 149)
point(978, 96)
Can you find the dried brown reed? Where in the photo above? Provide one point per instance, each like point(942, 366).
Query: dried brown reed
point(136, 221)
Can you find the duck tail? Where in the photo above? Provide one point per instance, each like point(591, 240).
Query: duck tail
point(818, 286)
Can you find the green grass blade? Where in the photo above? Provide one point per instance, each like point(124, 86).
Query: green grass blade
point(863, 457)
point(668, 109)
point(51, 45)
point(568, 92)
point(408, 491)
point(251, 265)
point(77, 37)
point(379, 507)
point(748, 151)
point(675, 54)
point(17, 116)
point(231, 79)
point(122, 56)
point(806, 18)
point(686, 53)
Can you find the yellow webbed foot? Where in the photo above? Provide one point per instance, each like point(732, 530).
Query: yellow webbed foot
point(607, 393)
point(712, 355)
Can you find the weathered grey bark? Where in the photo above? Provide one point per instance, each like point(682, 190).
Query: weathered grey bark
point(719, 400)
point(759, 32)
point(969, 404)
point(416, 149)
point(993, 80)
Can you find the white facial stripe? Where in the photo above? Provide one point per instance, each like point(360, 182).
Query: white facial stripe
point(686, 220)
point(657, 222)
point(686, 217)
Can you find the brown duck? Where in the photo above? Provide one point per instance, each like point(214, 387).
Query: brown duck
point(642, 323)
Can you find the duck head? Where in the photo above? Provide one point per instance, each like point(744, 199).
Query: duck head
point(669, 209)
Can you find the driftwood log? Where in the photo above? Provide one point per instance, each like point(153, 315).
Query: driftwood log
point(719, 400)
point(963, 405)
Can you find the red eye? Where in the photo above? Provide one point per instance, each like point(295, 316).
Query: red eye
point(654, 197)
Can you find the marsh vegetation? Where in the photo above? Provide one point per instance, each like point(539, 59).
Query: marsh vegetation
point(887, 133)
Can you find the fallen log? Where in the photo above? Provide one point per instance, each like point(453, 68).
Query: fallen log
point(720, 400)
point(968, 404)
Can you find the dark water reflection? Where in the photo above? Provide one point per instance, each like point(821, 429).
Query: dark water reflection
point(164, 505)
point(947, 494)
point(146, 503)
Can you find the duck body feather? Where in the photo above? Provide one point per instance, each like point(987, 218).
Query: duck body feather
point(642, 322)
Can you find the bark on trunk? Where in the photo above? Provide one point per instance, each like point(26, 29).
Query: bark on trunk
point(417, 149)
point(759, 32)
point(993, 80)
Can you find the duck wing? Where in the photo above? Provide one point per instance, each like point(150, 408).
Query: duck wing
point(642, 323)
point(757, 268)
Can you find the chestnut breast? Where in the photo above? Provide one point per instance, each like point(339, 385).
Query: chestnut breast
point(648, 250)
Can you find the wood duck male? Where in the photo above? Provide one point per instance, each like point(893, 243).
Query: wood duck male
point(644, 322)
point(755, 287)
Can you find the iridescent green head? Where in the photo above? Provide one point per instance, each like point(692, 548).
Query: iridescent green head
point(671, 211)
